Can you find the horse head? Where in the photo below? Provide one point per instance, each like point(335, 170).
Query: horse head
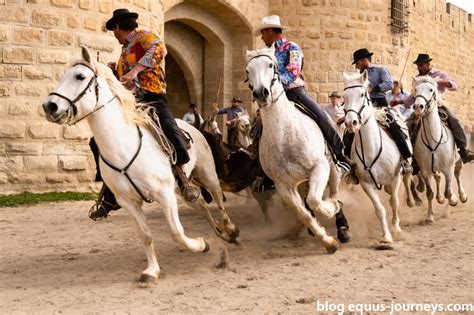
point(243, 129)
point(356, 99)
point(210, 125)
point(76, 93)
point(262, 74)
point(426, 92)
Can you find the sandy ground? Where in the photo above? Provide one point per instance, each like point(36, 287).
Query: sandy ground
point(55, 260)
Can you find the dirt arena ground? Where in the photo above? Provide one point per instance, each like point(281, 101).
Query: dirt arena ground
point(55, 260)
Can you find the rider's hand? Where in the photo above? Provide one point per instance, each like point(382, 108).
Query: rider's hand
point(215, 107)
point(395, 103)
point(112, 66)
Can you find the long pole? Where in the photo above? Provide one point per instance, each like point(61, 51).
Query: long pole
point(218, 88)
point(404, 66)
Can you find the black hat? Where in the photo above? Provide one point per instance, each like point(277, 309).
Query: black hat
point(422, 58)
point(118, 15)
point(334, 94)
point(361, 53)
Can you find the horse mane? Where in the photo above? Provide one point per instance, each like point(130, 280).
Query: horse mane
point(267, 51)
point(131, 112)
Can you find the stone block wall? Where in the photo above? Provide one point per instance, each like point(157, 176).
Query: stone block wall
point(37, 40)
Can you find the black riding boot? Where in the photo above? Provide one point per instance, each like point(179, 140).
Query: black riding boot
point(105, 203)
point(347, 139)
point(400, 139)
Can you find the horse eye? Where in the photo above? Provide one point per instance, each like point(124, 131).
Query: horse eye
point(80, 77)
point(431, 90)
point(362, 95)
point(271, 65)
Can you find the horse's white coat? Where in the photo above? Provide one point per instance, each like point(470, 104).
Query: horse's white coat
point(114, 129)
point(433, 134)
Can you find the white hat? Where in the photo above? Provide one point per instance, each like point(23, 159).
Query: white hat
point(272, 21)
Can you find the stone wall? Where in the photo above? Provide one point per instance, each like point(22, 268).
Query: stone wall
point(207, 40)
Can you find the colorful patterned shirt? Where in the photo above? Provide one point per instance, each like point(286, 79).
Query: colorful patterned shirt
point(290, 63)
point(145, 48)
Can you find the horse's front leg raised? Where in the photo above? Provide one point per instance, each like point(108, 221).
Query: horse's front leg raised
point(134, 208)
point(293, 199)
point(371, 191)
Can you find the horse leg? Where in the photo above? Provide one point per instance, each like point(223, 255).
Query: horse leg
point(395, 203)
point(429, 196)
point(457, 174)
point(407, 184)
point(134, 208)
point(167, 199)
point(293, 199)
point(421, 183)
point(448, 192)
point(371, 191)
point(263, 200)
point(439, 197)
point(414, 192)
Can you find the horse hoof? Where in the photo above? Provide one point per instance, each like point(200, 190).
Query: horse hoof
point(234, 235)
point(419, 202)
point(410, 203)
point(344, 235)
point(145, 280)
point(332, 246)
point(384, 246)
point(429, 221)
point(206, 247)
point(440, 200)
point(420, 188)
point(453, 203)
point(463, 198)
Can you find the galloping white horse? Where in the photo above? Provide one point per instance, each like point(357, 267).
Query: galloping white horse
point(374, 152)
point(434, 147)
point(89, 90)
point(292, 147)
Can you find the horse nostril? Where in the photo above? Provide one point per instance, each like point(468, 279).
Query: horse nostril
point(354, 122)
point(421, 106)
point(266, 92)
point(50, 107)
point(255, 94)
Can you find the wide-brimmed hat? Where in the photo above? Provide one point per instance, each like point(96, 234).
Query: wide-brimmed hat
point(361, 53)
point(272, 21)
point(236, 99)
point(334, 94)
point(118, 15)
point(422, 58)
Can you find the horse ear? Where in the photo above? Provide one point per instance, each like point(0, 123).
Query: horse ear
point(250, 54)
point(85, 54)
point(345, 76)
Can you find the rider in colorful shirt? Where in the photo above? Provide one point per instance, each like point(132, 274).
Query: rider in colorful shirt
point(444, 82)
point(141, 68)
point(290, 69)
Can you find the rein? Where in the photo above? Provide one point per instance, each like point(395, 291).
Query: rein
point(425, 140)
point(361, 155)
point(276, 76)
point(72, 103)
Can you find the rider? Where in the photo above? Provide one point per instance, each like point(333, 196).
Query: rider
point(444, 82)
point(290, 66)
point(141, 67)
point(380, 81)
point(235, 107)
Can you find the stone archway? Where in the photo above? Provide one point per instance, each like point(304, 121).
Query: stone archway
point(207, 41)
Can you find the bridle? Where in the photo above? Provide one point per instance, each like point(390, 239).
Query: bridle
point(72, 103)
point(276, 76)
point(428, 102)
point(364, 104)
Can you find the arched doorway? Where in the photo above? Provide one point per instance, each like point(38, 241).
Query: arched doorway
point(206, 43)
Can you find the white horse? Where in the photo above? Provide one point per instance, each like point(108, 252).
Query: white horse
point(373, 150)
point(243, 130)
point(434, 147)
point(89, 90)
point(292, 147)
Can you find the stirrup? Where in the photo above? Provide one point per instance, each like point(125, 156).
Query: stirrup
point(98, 212)
point(406, 168)
point(189, 193)
point(467, 156)
point(345, 167)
